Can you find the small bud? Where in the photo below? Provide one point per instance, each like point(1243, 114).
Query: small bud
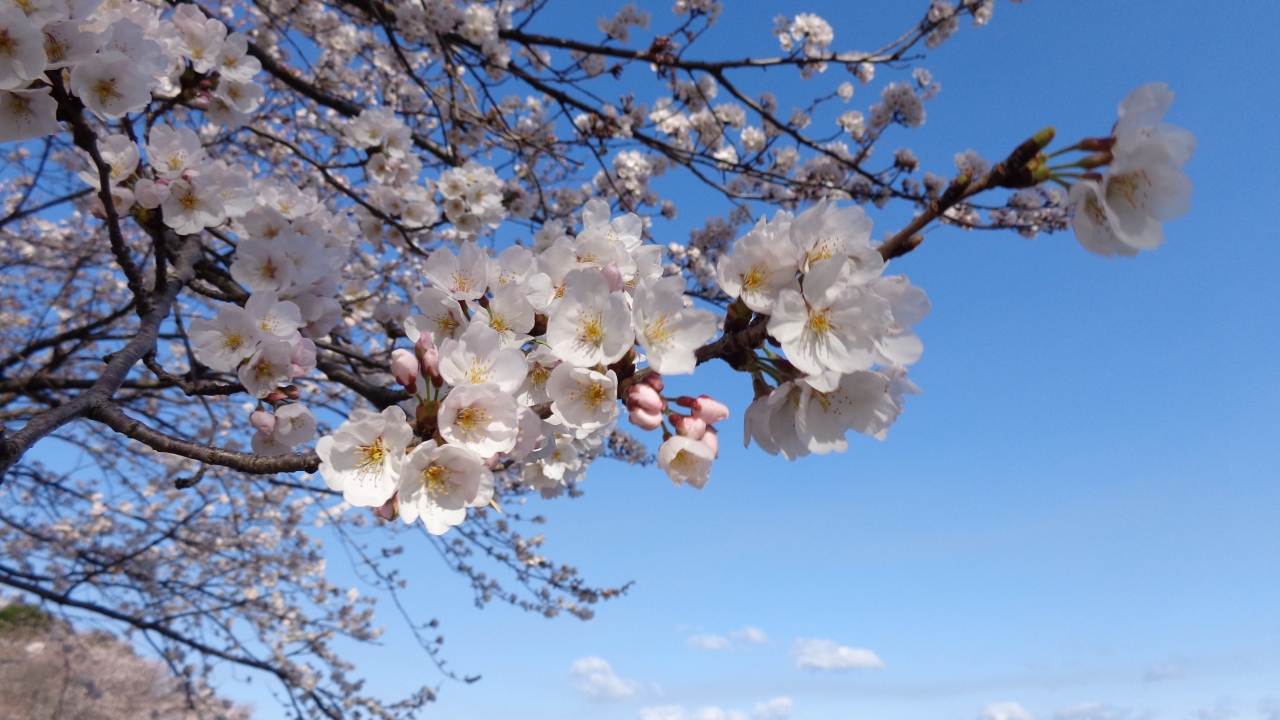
point(292, 392)
point(1097, 144)
point(708, 410)
point(276, 397)
point(645, 419)
point(643, 396)
point(688, 426)
point(712, 440)
point(405, 367)
point(654, 380)
point(263, 421)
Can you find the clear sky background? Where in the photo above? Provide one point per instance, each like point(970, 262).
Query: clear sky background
point(1081, 515)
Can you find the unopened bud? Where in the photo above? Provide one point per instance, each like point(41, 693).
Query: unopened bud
point(645, 419)
point(1097, 144)
point(688, 426)
point(708, 410)
point(275, 397)
point(654, 380)
point(263, 421)
point(292, 392)
point(645, 397)
point(1097, 159)
point(405, 367)
point(712, 440)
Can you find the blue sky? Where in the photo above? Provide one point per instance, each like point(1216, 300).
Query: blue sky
point(1078, 516)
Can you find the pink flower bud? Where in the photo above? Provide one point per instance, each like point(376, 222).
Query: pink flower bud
point(405, 367)
point(275, 397)
point(424, 344)
point(263, 421)
point(644, 396)
point(712, 440)
point(708, 410)
point(613, 275)
point(645, 419)
point(654, 380)
point(431, 364)
point(690, 427)
point(390, 510)
point(292, 392)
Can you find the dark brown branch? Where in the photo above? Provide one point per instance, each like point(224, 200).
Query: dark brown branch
point(113, 417)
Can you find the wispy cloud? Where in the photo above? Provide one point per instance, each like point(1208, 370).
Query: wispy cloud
point(1221, 711)
point(709, 642)
point(1089, 711)
point(745, 637)
point(1005, 711)
point(596, 680)
point(1162, 672)
point(750, 635)
point(778, 708)
point(830, 655)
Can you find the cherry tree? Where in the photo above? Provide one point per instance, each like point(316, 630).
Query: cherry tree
point(284, 279)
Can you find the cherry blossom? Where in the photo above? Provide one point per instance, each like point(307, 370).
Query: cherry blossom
point(363, 457)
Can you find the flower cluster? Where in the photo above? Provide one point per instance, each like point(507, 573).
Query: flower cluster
point(515, 364)
point(844, 327)
point(1122, 210)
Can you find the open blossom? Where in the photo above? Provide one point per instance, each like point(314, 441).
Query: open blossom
point(833, 325)
point(441, 317)
point(464, 276)
point(482, 418)
point(270, 366)
point(193, 206)
point(234, 62)
point(478, 357)
point(27, 114)
point(22, 57)
point(590, 325)
point(173, 151)
point(832, 404)
point(260, 266)
point(1124, 210)
point(669, 332)
point(826, 231)
point(362, 459)
point(439, 482)
point(273, 316)
point(686, 461)
point(762, 265)
point(585, 398)
point(109, 86)
point(227, 340)
point(509, 314)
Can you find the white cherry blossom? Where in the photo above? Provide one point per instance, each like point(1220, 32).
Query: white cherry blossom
point(270, 366)
point(482, 418)
point(441, 317)
point(439, 482)
point(585, 398)
point(686, 461)
point(464, 276)
point(22, 56)
point(591, 325)
point(227, 340)
point(27, 114)
point(478, 357)
point(833, 325)
point(762, 265)
point(362, 459)
point(109, 85)
point(669, 332)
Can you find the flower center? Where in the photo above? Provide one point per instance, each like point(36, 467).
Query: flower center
point(435, 478)
point(105, 89)
point(591, 329)
point(755, 279)
point(233, 341)
point(371, 458)
point(820, 322)
point(472, 422)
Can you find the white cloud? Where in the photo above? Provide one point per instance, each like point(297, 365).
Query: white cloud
point(778, 708)
point(597, 681)
point(750, 635)
point(1221, 711)
point(830, 655)
point(1088, 711)
point(1162, 672)
point(1005, 711)
point(738, 638)
point(708, 642)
